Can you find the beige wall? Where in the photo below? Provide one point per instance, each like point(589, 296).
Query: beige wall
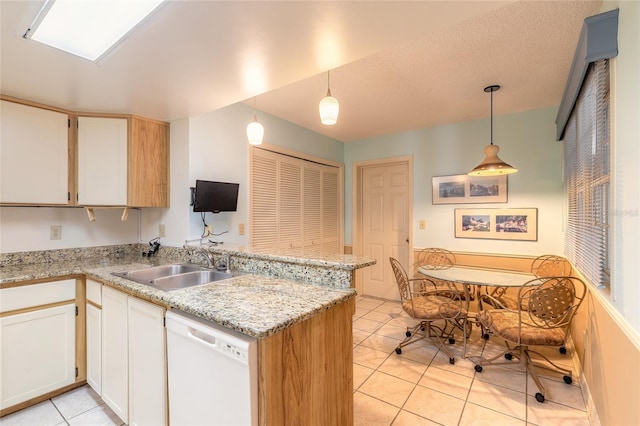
point(610, 362)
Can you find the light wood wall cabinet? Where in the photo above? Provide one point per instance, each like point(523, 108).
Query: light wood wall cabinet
point(50, 156)
point(38, 333)
point(123, 161)
point(34, 155)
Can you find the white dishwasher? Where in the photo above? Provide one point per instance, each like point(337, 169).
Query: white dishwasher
point(213, 373)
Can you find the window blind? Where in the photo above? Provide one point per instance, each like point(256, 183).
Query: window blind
point(587, 177)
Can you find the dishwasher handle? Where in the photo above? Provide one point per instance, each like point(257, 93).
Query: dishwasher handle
point(202, 337)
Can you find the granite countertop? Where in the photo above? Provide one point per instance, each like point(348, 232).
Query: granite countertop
point(256, 305)
point(293, 255)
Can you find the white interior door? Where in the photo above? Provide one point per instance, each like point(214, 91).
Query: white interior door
point(385, 225)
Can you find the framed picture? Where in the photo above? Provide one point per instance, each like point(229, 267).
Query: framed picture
point(461, 189)
point(497, 224)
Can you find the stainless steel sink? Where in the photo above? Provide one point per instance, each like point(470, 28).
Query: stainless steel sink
point(145, 275)
point(175, 282)
point(174, 277)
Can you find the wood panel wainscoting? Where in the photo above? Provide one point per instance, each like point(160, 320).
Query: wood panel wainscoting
point(306, 371)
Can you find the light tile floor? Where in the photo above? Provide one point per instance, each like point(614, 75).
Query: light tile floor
point(418, 387)
point(78, 407)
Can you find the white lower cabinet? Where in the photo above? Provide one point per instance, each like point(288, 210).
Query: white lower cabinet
point(115, 356)
point(134, 383)
point(147, 364)
point(38, 350)
point(94, 348)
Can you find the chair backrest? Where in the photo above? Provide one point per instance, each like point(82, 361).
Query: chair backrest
point(550, 265)
point(550, 302)
point(401, 279)
point(436, 258)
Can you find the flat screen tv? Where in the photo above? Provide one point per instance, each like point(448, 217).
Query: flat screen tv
point(215, 197)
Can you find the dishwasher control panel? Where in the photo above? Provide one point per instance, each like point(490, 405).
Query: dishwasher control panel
point(233, 351)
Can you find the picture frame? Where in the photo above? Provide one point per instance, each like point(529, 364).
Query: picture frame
point(464, 189)
point(497, 224)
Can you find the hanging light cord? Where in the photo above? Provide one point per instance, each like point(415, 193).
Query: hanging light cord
point(328, 85)
point(490, 90)
point(491, 117)
point(255, 110)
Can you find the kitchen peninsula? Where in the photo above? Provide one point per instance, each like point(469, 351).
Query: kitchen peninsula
point(298, 306)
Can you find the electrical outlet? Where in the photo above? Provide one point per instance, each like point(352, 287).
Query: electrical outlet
point(422, 224)
point(241, 229)
point(209, 230)
point(55, 232)
point(162, 232)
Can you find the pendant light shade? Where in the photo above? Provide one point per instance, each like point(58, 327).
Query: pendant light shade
point(255, 130)
point(492, 165)
point(329, 107)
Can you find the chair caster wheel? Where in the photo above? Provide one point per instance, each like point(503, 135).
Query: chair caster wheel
point(452, 340)
point(408, 334)
point(539, 397)
point(398, 351)
point(485, 336)
point(452, 361)
point(567, 379)
point(478, 368)
point(562, 350)
point(508, 356)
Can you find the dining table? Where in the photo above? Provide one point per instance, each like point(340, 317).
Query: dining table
point(478, 277)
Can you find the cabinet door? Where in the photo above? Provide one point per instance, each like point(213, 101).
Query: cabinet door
point(148, 163)
point(115, 360)
point(147, 364)
point(102, 161)
point(94, 348)
point(37, 354)
point(34, 157)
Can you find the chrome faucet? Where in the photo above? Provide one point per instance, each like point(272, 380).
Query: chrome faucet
point(208, 256)
point(226, 259)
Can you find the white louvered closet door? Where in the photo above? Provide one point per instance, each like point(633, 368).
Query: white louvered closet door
point(330, 210)
point(290, 205)
point(295, 204)
point(312, 210)
point(264, 211)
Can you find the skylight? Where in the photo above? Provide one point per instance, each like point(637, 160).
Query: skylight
point(88, 28)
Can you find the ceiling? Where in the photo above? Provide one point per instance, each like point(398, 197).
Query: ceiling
point(395, 65)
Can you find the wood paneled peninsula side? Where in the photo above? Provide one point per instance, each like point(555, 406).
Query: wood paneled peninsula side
point(298, 306)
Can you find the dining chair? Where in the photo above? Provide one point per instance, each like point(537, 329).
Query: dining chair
point(551, 265)
point(440, 309)
point(546, 265)
point(436, 258)
point(544, 310)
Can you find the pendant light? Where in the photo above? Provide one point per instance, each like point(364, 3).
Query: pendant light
point(329, 107)
point(255, 130)
point(492, 165)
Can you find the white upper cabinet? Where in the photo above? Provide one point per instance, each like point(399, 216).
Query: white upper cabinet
point(34, 155)
point(102, 161)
